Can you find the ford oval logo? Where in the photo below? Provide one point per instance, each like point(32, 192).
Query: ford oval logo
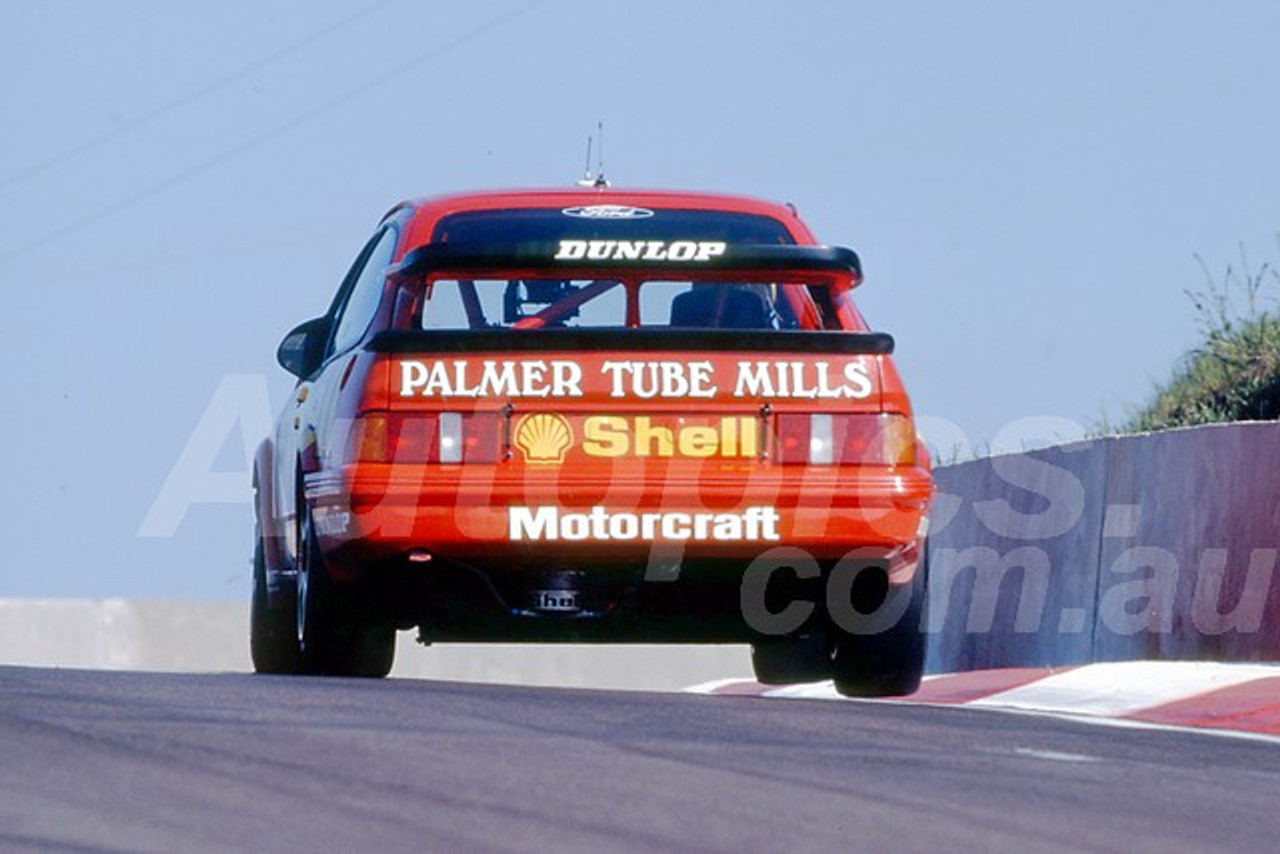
point(607, 212)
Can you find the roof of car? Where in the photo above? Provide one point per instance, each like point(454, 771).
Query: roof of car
point(429, 210)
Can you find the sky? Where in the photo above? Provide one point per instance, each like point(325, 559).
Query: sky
point(1029, 186)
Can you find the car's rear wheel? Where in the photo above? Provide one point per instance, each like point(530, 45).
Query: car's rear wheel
point(273, 637)
point(789, 660)
point(888, 662)
point(337, 634)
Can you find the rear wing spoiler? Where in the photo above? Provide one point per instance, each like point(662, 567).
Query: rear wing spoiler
point(620, 340)
point(693, 259)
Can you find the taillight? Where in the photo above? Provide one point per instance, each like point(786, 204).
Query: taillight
point(441, 437)
point(821, 438)
point(479, 436)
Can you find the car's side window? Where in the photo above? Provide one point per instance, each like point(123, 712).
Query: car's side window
point(366, 293)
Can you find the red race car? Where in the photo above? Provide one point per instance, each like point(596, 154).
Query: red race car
point(595, 415)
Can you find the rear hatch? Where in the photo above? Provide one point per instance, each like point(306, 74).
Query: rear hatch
point(600, 393)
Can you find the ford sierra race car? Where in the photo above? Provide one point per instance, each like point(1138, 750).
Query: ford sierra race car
point(595, 415)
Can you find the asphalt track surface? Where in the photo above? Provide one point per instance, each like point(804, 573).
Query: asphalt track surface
point(110, 761)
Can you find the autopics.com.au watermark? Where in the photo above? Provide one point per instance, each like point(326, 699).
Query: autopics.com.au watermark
point(1015, 559)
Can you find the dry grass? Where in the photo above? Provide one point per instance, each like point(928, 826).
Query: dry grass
point(1234, 375)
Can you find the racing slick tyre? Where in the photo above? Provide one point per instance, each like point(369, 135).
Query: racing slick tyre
point(273, 636)
point(336, 636)
point(789, 660)
point(886, 661)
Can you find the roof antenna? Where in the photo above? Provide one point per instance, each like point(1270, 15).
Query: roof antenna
point(586, 174)
point(599, 181)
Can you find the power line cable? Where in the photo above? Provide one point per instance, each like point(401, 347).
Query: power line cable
point(254, 142)
point(31, 171)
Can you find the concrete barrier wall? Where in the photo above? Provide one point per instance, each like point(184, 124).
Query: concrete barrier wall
point(1159, 546)
point(1014, 556)
point(124, 634)
point(214, 637)
point(1197, 525)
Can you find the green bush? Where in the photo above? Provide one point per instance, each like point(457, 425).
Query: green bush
point(1234, 375)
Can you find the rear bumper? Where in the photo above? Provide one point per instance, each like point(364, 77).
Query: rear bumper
point(371, 514)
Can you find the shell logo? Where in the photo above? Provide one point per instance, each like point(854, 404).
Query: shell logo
point(543, 438)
